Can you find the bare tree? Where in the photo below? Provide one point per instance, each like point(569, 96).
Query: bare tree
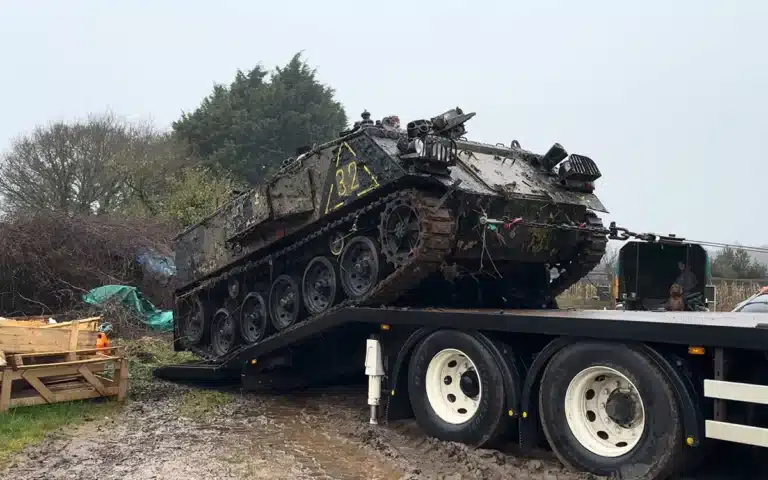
point(75, 167)
point(609, 261)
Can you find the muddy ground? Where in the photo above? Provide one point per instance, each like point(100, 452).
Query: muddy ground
point(317, 434)
point(313, 435)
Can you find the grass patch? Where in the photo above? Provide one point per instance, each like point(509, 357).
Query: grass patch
point(147, 353)
point(24, 426)
point(199, 402)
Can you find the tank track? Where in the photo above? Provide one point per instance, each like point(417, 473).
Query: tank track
point(438, 231)
point(590, 254)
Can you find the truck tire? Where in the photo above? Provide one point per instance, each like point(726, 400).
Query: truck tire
point(456, 389)
point(609, 410)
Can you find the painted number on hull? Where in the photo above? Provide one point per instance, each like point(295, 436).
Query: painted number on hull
point(350, 176)
point(349, 180)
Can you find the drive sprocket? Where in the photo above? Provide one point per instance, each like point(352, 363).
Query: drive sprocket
point(401, 230)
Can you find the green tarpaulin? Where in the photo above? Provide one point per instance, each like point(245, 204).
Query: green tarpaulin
point(161, 320)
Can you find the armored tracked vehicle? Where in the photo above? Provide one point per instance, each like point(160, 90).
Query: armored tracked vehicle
point(417, 217)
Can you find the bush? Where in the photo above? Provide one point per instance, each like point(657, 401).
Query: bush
point(49, 260)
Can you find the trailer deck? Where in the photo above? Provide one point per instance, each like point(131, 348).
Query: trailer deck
point(720, 329)
point(329, 346)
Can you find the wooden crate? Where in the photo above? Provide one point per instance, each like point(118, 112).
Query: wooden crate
point(21, 337)
point(53, 377)
point(85, 324)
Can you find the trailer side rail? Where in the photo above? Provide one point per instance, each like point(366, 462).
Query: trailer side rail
point(734, 432)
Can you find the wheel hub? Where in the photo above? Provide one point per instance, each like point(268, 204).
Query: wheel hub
point(399, 230)
point(286, 300)
point(469, 384)
point(361, 267)
point(621, 408)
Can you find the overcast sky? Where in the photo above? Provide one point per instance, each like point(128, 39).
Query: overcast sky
point(669, 98)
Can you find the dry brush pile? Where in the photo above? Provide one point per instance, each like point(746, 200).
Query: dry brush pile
point(49, 260)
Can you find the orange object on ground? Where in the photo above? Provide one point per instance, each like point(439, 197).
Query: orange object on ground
point(102, 341)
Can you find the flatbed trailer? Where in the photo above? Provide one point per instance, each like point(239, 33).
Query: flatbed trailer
point(635, 393)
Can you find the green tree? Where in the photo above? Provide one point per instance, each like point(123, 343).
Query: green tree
point(250, 127)
point(195, 194)
point(737, 263)
point(164, 181)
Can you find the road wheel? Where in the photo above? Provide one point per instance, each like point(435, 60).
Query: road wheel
point(319, 285)
point(456, 389)
point(284, 302)
point(193, 323)
point(607, 409)
point(359, 267)
point(223, 332)
point(253, 318)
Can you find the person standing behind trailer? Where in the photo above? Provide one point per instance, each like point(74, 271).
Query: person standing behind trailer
point(686, 279)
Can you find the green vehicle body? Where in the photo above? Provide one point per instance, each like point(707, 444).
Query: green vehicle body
point(645, 272)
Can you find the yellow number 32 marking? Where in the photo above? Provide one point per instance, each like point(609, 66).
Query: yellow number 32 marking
point(347, 173)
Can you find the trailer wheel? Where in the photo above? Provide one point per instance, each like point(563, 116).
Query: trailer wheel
point(456, 389)
point(607, 408)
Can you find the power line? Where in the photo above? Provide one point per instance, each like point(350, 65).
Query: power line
point(723, 245)
point(728, 245)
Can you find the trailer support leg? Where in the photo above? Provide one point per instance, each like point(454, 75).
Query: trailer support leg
point(374, 368)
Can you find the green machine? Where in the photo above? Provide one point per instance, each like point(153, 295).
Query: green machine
point(646, 271)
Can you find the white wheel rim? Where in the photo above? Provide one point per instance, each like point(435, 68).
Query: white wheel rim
point(443, 382)
point(590, 421)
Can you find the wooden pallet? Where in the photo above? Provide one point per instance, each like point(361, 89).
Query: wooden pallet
point(53, 377)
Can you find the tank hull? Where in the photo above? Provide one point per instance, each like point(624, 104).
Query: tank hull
point(351, 222)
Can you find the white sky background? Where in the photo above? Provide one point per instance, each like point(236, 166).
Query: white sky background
point(668, 97)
